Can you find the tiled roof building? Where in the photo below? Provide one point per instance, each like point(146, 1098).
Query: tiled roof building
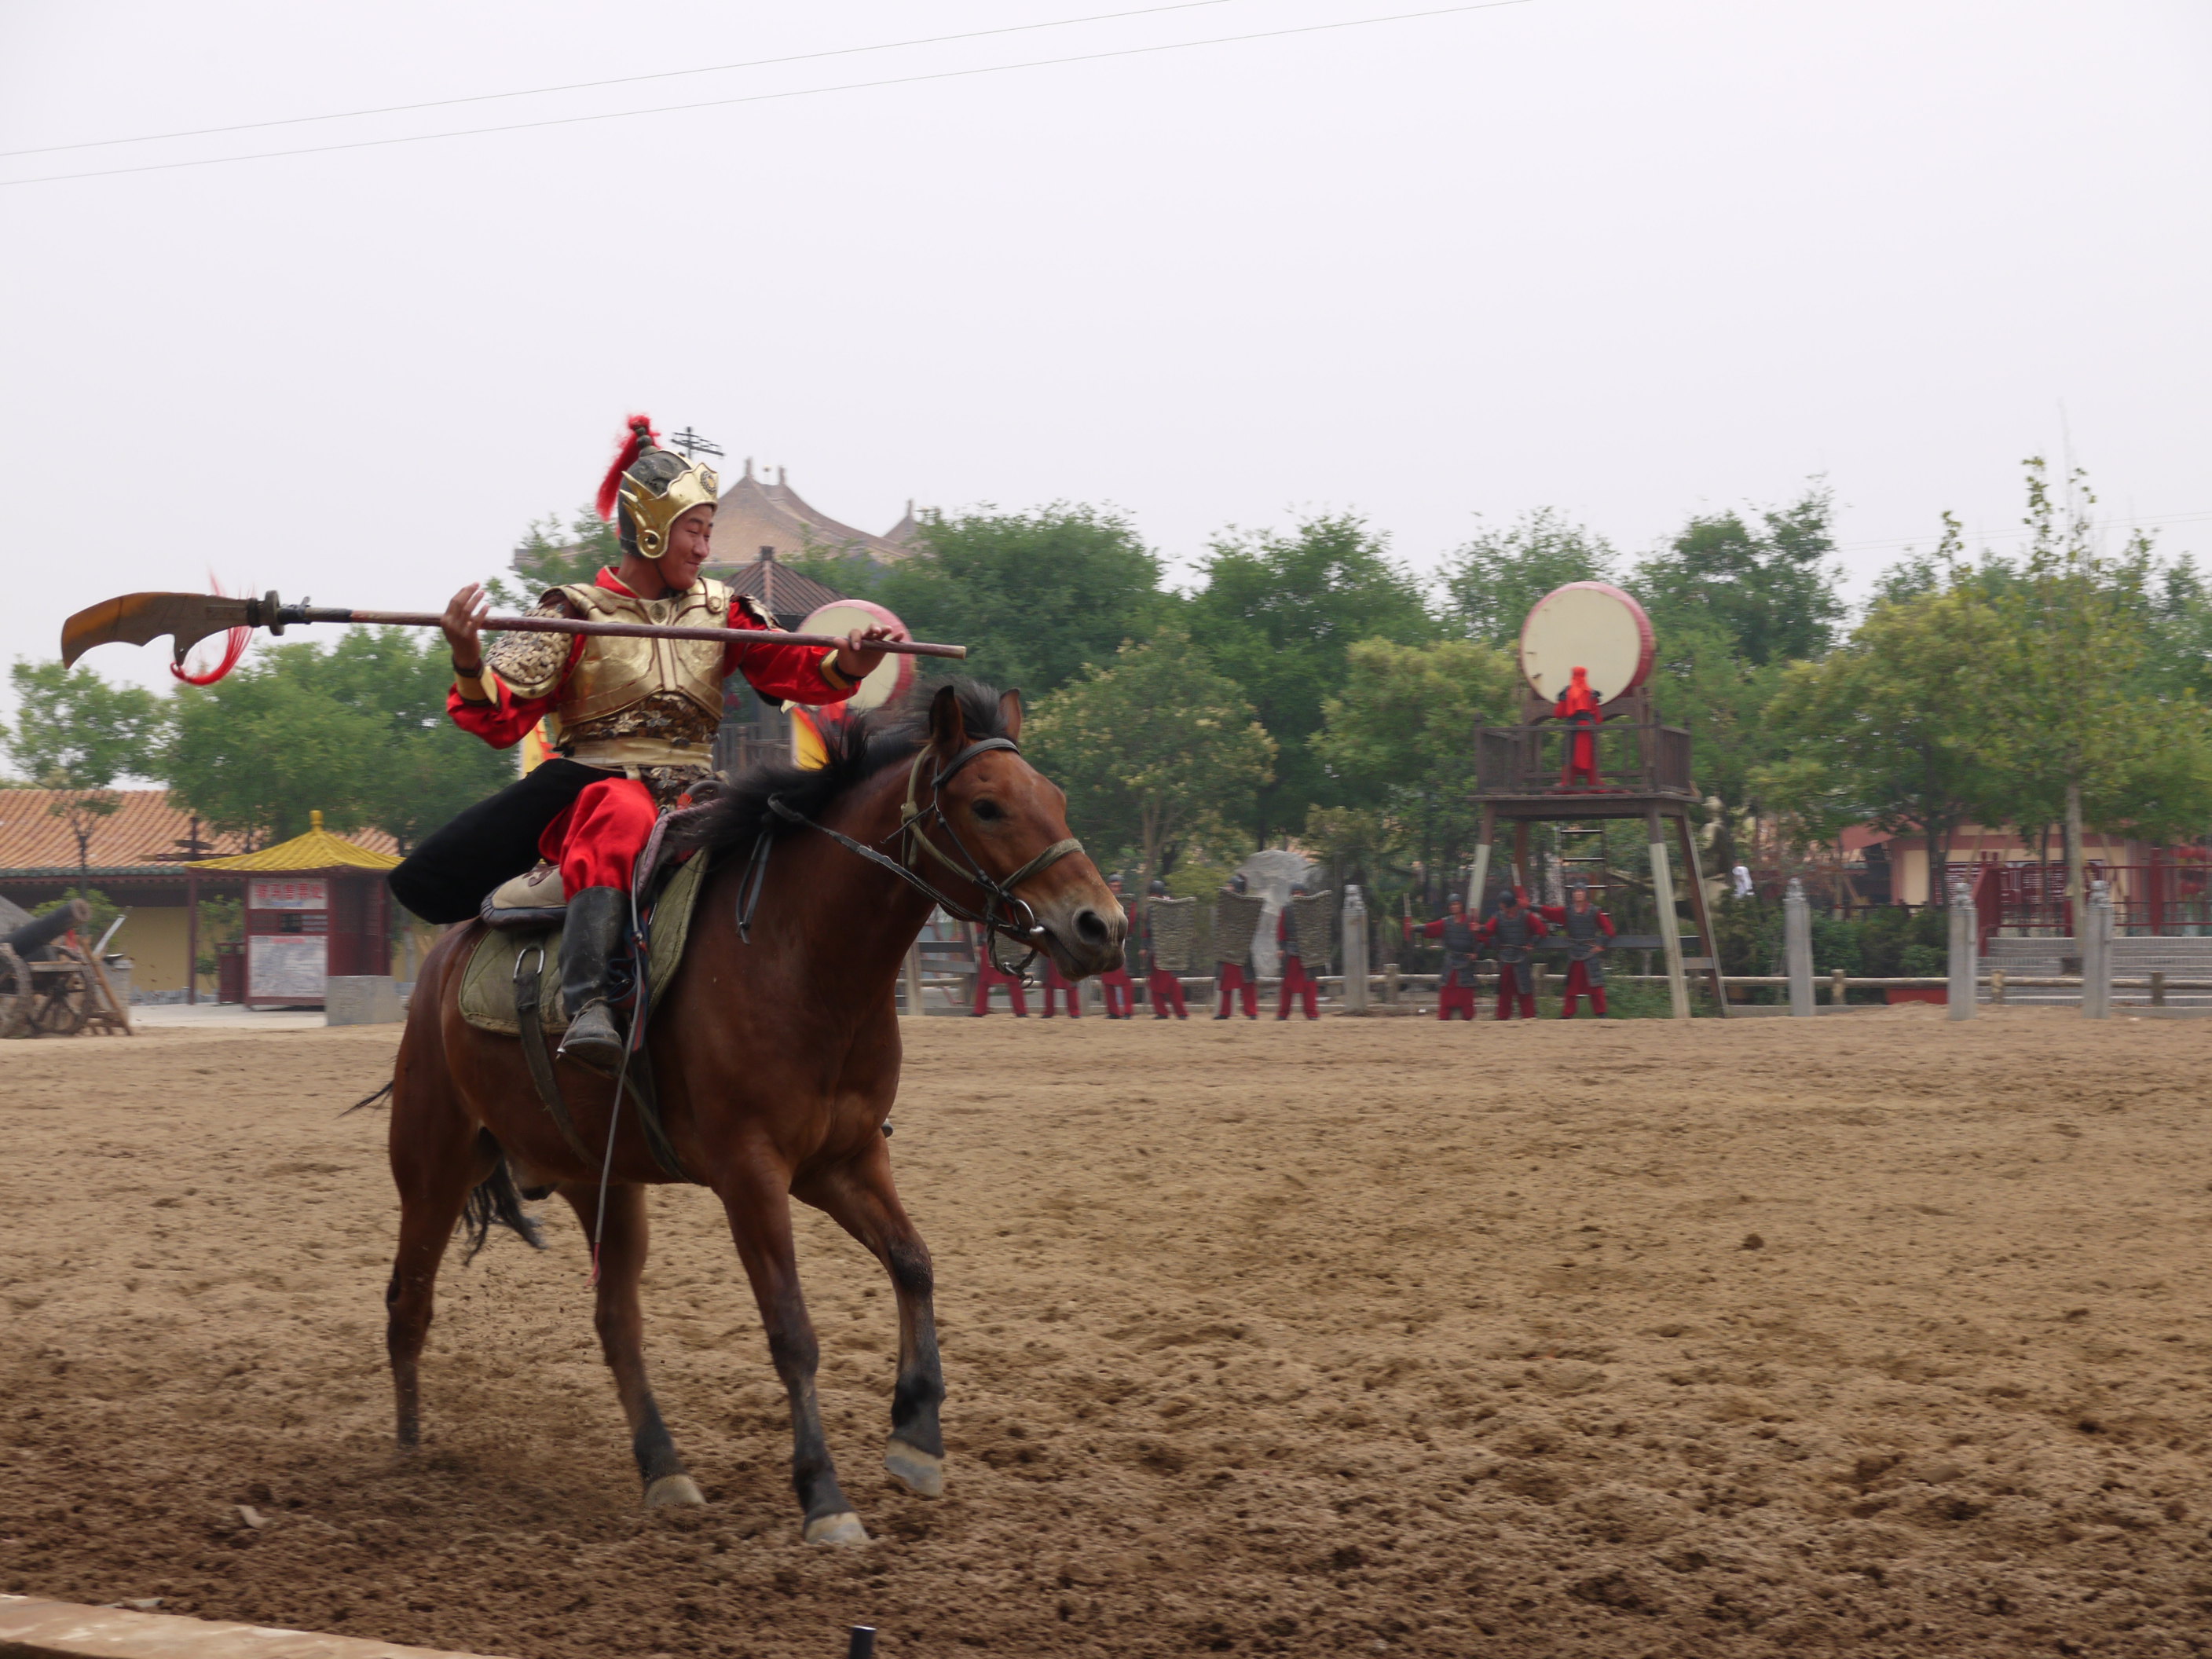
point(754, 514)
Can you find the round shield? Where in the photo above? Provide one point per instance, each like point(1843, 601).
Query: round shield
point(1588, 625)
point(890, 677)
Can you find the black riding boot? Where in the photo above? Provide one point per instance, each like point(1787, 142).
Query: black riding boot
point(590, 946)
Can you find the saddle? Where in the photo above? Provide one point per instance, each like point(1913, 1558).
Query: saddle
point(511, 984)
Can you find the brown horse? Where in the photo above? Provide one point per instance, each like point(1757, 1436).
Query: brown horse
point(776, 1063)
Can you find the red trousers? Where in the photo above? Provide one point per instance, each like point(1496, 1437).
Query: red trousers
point(1452, 997)
point(1509, 987)
point(1166, 992)
point(1578, 985)
point(1582, 759)
point(1233, 980)
point(597, 839)
point(1117, 988)
point(986, 977)
point(1055, 980)
point(1297, 982)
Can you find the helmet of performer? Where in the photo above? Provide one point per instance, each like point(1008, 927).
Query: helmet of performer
point(1237, 882)
point(1113, 881)
point(648, 489)
point(1158, 888)
point(1509, 897)
point(1452, 900)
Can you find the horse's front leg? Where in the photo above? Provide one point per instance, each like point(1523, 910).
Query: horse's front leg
point(622, 1337)
point(862, 1199)
point(757, 1200)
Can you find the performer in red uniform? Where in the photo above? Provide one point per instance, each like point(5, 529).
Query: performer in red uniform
point(633, 720)
point(987, 977)
point(1233, 976)
point(1587, 928)
point(1117, 988)
point(1511, 932)
point(1054, 981)
point(1297, 982)
point(1162, 988)
point(1455, 990)
point(1577, 710)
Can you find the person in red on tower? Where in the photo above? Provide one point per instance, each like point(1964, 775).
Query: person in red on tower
point(1455, 990)
point(1297, 982)
point(1577, 710)
point(1512, 930)
point(633, 721)
point(1587, 928)
point(1117, 987)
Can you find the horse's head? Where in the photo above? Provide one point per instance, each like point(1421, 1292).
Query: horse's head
point(1009, 816)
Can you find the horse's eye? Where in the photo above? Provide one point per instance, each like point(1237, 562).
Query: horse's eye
point(987, 810)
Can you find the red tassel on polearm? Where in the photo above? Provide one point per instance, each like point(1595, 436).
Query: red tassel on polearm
point(233, 646)
point(641, 432)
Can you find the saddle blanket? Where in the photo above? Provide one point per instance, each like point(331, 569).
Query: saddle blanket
point(488, 981)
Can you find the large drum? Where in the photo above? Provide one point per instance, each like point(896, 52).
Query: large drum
point(1588, 625)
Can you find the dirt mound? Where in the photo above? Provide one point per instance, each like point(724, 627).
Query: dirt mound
point(1362, 1337)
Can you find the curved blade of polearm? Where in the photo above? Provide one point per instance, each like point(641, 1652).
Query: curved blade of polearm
point(140, 618)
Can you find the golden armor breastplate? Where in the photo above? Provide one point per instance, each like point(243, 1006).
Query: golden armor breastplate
point(631, 704)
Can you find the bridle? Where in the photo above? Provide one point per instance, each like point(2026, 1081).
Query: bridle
point(1004, 913)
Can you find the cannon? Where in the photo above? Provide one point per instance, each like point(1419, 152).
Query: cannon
point(45, 987)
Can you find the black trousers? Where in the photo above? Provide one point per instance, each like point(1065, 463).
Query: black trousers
point(446, 877)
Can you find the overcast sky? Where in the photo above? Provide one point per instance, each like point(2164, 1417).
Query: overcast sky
point(1631, 260)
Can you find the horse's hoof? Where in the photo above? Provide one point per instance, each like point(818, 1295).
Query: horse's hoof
point(921, 1473)
point(843, 1528)
point(672, 1489)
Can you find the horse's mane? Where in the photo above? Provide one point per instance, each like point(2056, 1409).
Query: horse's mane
point(880, 737)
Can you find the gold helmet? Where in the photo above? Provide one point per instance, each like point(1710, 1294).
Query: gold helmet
point(650, 489)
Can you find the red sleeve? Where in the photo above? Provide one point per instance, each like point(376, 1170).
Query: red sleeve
point(1537, 930)
point(1551, 912)
point(1432, 929)
point(1606, 922)
point(784, 673)
point(502, 724)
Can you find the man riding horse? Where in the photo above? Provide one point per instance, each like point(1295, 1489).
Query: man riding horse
point(633, 721)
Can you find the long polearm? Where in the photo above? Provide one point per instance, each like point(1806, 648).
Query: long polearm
point(188, 618)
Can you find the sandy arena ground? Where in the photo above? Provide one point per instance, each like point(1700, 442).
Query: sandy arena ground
point(1872, 1335)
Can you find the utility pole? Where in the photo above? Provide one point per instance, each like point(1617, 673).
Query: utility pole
point(694, 446)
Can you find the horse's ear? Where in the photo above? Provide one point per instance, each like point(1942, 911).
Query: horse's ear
point(1010, 712)
point(948, 729)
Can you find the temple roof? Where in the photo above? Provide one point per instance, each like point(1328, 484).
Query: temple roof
point(786, 595)
point(318, 850)
point(753, 514)
point(147, 834)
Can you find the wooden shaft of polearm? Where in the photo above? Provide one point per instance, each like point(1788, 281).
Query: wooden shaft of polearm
point(633, 631)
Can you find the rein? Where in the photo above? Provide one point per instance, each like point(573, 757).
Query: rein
point(1004, 913)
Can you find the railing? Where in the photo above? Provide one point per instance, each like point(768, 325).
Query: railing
point(1632, 757)
point(2164, 896)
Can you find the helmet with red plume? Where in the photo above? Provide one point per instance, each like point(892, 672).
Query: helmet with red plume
point(648, 489)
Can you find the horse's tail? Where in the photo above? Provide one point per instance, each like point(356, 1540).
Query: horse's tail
point(367, 1101)
point(493, 1202)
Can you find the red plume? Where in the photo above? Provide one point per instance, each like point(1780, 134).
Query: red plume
point(233, 648)
point(641, 433)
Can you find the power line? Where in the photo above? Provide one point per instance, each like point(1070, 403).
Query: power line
point(766, 97)
point(618, 81)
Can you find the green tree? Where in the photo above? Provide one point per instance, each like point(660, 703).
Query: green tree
point(1397, 739)
point(552, 555)
point(1278, 614)
point(1766, 589)
point(2081, 737)
point(358, 730)
point(1493, 583)
point(1152, 749)
point(73, 729)
point(75, 733)
point(1895, 728)
point(1035, 595)
point(1703, 684)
